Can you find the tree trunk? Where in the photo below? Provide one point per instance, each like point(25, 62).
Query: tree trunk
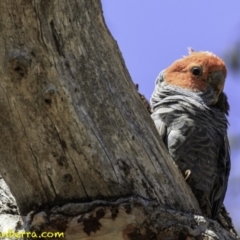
point(77, 147)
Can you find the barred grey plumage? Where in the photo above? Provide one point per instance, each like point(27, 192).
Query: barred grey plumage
point(195, 133)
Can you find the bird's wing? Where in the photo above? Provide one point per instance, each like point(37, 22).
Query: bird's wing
point(220, 188)
point(173, 125)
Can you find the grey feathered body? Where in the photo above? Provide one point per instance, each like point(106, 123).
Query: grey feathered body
point(196, 137)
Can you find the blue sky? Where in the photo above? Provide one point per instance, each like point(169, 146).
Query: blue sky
point(153, 34)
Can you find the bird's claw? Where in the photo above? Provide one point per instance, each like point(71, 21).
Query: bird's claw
point(187, 173)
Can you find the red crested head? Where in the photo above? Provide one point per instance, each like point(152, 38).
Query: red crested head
point(197, 72)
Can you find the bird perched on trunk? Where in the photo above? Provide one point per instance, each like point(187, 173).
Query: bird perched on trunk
point(189, 111)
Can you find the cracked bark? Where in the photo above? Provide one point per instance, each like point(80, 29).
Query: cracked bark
point(78, 149)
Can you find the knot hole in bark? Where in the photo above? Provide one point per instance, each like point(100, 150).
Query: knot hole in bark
point(49, 94)
point(19, 63)
point(67, 178)
point(123, 166)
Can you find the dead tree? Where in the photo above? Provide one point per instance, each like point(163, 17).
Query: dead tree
point(79, 151)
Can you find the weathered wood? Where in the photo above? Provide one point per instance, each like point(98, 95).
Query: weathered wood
point(124, 219)
point(73, 128)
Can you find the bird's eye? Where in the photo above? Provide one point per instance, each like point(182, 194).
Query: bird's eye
point(196, 71)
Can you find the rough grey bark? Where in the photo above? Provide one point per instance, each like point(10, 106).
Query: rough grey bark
point(77, 147)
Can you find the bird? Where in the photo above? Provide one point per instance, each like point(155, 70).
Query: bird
point(190, 113)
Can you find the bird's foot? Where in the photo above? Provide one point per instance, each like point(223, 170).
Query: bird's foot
point(186, 174)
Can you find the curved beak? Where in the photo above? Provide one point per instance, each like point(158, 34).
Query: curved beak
point(217, 80)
